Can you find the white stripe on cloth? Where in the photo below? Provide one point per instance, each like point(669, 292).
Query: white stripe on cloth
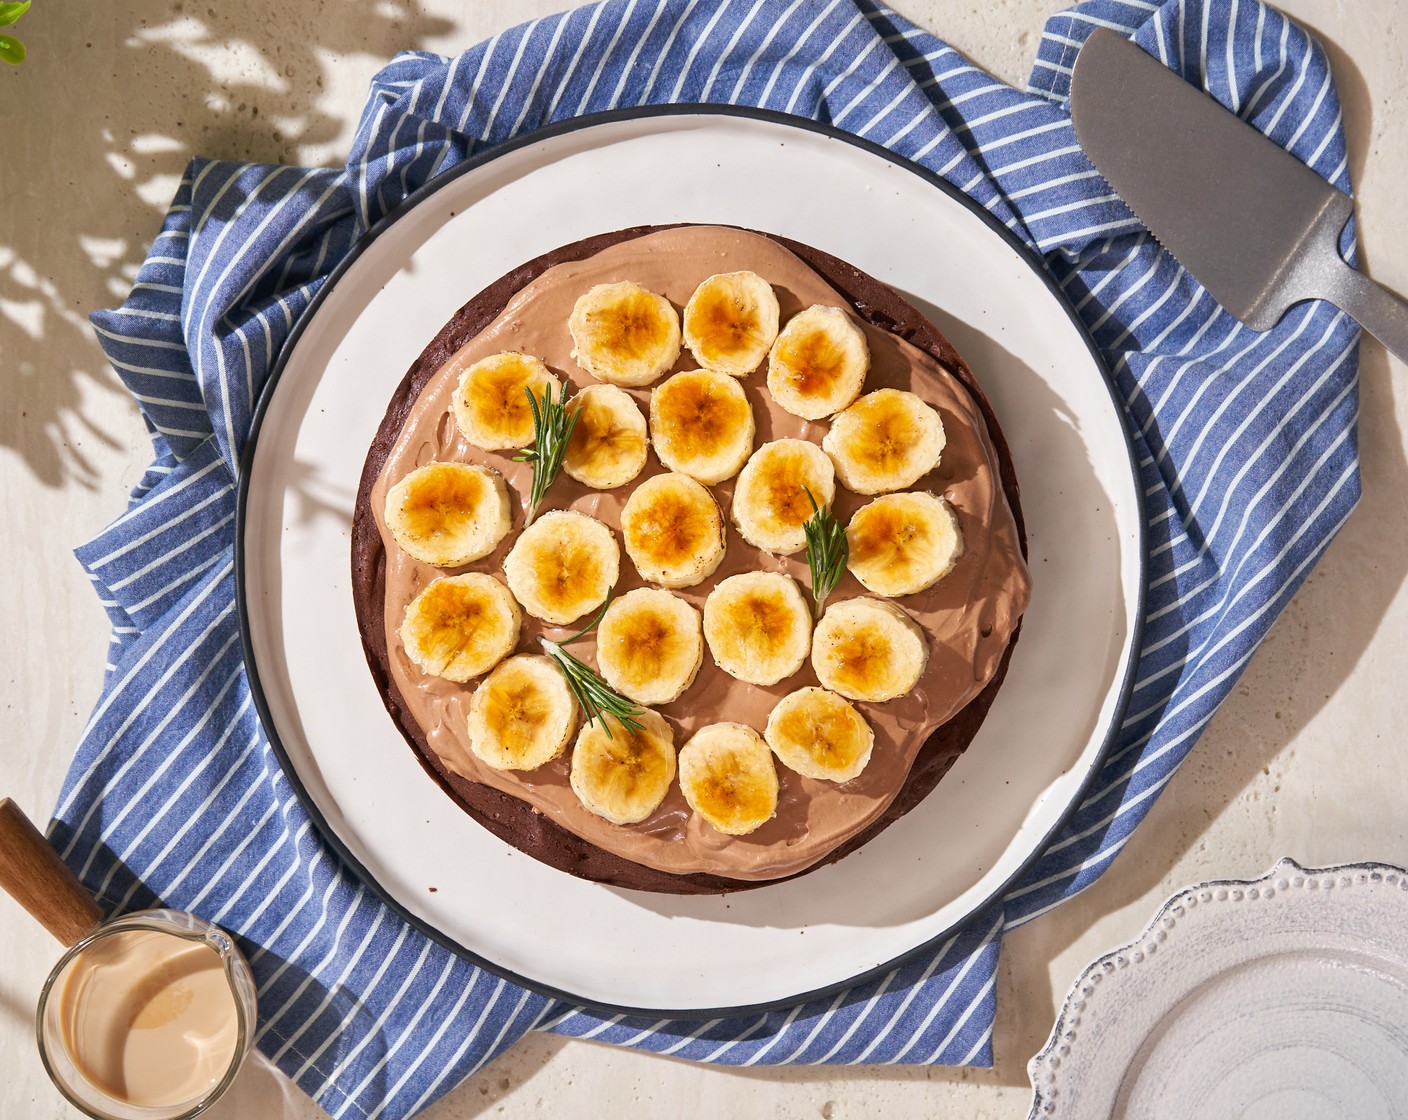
point(136, 712)
point(953, 986)
point(161, 819)
point(291, 1043)
point(470, 1036)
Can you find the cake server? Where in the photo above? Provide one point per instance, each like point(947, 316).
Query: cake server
point(1255, 226)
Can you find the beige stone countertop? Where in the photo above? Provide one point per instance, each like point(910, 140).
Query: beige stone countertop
point(1307, 758)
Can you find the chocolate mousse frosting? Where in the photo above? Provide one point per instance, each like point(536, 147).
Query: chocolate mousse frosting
point(971, 616)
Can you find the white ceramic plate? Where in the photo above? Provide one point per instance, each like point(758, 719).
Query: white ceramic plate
point(924, 875)
point(1284, 996)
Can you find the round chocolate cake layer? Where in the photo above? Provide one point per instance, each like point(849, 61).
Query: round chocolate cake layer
point(515, 821)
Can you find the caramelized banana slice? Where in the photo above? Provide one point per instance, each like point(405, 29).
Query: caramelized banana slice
point(609, 440)
point(818, 363)
point(758, 627)
point(730, 322)
point(623, 777)
point(522, 714)
point(819, 735)
point(491, 402)
point(770, 503)
point(887, 440)
point(901, 544)
point(866, 649)
point(461, 626)
point(728, 777)
point(447, 514)
point(673, 530)
point(562, 566)
point(701, 425)
point(649, 645)
point(623, 334)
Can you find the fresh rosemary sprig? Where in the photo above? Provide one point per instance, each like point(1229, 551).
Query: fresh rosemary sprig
point(827, 551)
point(594, 694)
point(552, 428)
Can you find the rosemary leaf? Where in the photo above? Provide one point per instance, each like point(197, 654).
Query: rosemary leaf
point(552, 429)
point(827, 552)
point(595, 696)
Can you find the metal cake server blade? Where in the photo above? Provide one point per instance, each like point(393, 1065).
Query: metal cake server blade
point(1253, 224)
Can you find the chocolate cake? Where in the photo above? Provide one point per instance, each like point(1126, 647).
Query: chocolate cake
point(972, 616)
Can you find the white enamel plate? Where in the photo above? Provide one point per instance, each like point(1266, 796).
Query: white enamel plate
point(926, 874)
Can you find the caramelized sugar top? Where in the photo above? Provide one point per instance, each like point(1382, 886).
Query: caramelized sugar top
point(701, 412)
point(444, 501)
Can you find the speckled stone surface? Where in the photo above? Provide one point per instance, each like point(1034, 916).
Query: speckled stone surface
point(1308, 758)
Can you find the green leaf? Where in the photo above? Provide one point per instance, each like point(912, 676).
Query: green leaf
point(9, 12)
point(11, 50)
point(828, 551)
point(552, 429)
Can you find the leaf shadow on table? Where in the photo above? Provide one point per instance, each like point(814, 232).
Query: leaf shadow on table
point(100, 122)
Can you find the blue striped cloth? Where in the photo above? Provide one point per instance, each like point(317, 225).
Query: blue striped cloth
point(1245, 443)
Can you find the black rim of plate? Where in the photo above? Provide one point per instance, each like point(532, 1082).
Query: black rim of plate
point(549, 132)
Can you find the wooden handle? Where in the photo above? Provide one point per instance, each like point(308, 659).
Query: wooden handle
point(34, 875)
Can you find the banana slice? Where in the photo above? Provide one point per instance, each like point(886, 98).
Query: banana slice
point(770, 503)
point(522, 714)
point(819, 735)
point(701, 425)
point(562, 566)
point(623, 334)
point(461, 626)
point(609, 441)
point(728, 777)
point(730, 322)
point(818, 363)
point(758, 626)
point(625, 776)
point(491, 402)
point(673, 530)
point(902, 543)
point(649, 645)
point(887, 440)
point(448, 513)
point(867, 649)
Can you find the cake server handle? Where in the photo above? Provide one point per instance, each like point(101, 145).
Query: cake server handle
point(1378, 310)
